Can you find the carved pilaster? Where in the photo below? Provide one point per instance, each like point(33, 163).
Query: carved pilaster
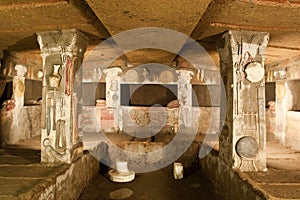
point(283, 98)
point(62, 53)
point(113, 76)
point(19, 86)
point(113, 93)
point(243, 138)
point(185, 97)
point(18, 97)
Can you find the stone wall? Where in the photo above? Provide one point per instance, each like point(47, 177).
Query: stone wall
point(294, 86)
point(92, 120)
point(206, 119)
point(33, 91)
point(152, 120)
point(21, 124)
point(287, 103)
point(229, 183)
point(292, 130)
point(67, 183)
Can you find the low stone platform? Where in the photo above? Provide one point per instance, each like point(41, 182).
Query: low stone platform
point(280, 181)
point(22, 176)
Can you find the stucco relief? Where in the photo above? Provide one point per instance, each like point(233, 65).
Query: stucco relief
point(242, 58)
point(113, 75)
point(62, 52)
point(185, 97)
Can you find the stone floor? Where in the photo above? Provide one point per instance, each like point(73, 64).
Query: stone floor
point(158, 185)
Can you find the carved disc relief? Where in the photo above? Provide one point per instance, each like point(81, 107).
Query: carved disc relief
point(255, 72)
point(247, 147)
point(131, 76)
point(20, 88)
point(166, 76)
point(280, 90)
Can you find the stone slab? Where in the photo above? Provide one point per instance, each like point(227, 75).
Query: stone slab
point(19, 152)
point(283, 164)
point(28, 171)
point(283, 191)
point(275, 176)
point(19, 160)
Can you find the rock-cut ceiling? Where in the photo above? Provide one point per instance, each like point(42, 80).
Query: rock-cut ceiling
point(202, 20)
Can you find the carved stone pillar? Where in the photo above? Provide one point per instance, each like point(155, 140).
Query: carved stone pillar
point(62, 53)
point(113, 93)
point(19, 86)
point(185, 97)
point(12, 130)
point(283, 101)
point(243, 138)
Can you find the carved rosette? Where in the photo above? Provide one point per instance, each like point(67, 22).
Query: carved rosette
point(242, 56)
point(62, 53)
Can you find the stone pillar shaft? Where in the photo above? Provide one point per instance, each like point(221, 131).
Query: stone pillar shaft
point(62, 53)
point(12, 115)
point(19, 86)
point(243, 138)
point(283, 104)
point(185, 97)
point(113, 93)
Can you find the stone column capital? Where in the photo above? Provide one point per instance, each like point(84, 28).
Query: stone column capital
point(245, 46)
point(60, 41)
point(249, 37)
point(113, 72)
point(21, 70)
point(185, 74)
point(280, 74)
